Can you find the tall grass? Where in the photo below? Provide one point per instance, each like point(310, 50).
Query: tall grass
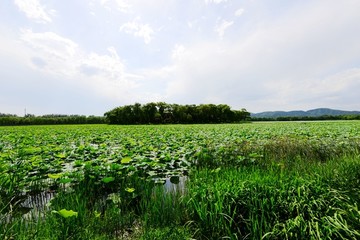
point(313, 201)
point(102, 212)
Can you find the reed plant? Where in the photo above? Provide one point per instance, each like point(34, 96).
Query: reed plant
point(315, 200)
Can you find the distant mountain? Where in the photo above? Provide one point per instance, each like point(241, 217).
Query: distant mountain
point(311, 113)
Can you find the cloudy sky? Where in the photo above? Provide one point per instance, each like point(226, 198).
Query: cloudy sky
point(89, 56)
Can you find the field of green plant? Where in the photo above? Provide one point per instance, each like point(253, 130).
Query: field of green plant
point(283, 180)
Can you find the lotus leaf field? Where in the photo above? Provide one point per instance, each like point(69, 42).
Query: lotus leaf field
point(274, 180)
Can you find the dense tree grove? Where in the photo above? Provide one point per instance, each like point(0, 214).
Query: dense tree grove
point(30, 119)
point(162, 113)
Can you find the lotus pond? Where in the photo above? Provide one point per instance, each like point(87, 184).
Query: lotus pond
point(283, 180)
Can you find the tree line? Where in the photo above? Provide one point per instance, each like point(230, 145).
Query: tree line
point(164, 113)
point(50, 119)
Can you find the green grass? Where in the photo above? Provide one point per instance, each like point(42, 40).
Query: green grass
point(314, 202)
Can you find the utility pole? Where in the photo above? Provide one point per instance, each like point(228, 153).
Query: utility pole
point(25, 112)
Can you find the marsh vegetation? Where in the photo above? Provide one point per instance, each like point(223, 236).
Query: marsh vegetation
point(297, 180)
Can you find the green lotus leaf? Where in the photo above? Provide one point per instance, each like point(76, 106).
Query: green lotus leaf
point(175, 179)
point(160, 181)
point(108, 179)
point(131, 168)
point(60, 155)
point(54, 176)
point(66, 213)
point(65, 180)
point(152, 173)
point(130, 190)
point(125, 160)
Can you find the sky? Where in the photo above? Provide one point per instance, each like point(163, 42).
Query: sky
point(89, 56)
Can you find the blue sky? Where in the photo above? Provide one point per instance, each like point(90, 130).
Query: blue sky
point(87, 57)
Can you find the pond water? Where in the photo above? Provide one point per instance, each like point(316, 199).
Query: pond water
point(175, 187)
point(33, 205)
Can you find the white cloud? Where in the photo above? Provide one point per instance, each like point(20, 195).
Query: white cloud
point(34, 10)
point(138, 29)
point(51, 43)
point(121, 5)
point(109, 66)
point(239, 12)
point(336, 90)
point(58, 52)
point(332, 85)
point(104, 74)
point(179, 52)
point(215, 1)
point(222, 26)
